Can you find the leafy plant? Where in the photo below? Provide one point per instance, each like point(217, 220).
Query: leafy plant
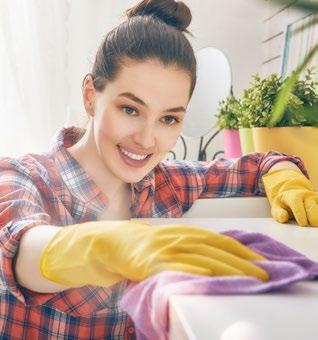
point(306, 91)
point(228, 112)
point(260, 102)
point(283, 96)
point(258, 98)
point(243, 118)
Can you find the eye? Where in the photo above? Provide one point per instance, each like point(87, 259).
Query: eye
point(170, 120)
point(129, 110)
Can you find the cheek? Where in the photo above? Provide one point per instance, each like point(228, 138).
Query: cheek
point(167, 139)
point(111, 128)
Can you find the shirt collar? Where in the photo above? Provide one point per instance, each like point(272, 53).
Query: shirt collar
point(74, 176)
point(147, 181)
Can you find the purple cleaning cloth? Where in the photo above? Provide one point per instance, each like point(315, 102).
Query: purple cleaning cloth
point(147, 302)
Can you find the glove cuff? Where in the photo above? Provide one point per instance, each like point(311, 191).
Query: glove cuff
point(278, 181)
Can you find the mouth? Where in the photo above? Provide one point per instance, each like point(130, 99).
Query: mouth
point(133, 159)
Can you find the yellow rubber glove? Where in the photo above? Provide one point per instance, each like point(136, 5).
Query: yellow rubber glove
point(291, 195)
point(105, 252)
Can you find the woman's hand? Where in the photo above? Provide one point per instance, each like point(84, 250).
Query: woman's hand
point(291, 195)
point(105, 252)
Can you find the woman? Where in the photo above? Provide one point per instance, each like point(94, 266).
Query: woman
point(64, 263)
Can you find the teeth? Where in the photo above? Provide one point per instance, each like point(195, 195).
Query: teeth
point(132, 155)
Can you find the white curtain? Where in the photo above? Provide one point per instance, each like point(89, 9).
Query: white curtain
point(34, 89)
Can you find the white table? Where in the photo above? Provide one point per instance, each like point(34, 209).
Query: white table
point(290, 314)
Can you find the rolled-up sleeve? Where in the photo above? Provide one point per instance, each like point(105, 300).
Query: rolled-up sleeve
point(21, 208)
point(242, 176)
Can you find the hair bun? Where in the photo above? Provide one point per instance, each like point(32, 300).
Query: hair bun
point(173, 13)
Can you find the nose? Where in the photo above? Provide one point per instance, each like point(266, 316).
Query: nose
point(145, 136)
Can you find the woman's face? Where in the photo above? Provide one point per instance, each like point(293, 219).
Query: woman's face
point(139, 116)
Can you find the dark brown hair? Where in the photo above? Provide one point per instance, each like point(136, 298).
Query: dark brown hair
point(154, 29)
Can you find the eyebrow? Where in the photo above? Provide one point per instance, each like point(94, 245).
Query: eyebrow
point(141, 102)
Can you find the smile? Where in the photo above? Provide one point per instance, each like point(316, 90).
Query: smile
point(135, 160)
point(131, 155)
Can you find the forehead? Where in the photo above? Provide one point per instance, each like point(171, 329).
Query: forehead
point(152, 81)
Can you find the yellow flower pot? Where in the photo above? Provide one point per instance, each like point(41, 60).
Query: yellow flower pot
point(299, 141)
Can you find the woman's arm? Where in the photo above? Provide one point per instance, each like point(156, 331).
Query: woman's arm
point(27, 268)
point(25, 225)
point(284, 165)
point(243, 176)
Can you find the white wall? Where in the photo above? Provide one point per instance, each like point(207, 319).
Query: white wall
point(278, 17)
point(234, 26)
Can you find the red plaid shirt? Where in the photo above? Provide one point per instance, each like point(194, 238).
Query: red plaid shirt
point(52, 188)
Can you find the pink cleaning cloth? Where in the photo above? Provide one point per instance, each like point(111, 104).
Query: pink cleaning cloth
point(147, 302)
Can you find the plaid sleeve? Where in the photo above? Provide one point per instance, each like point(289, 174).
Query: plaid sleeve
point(242, 176)
point(178, 185)
point(21, 208)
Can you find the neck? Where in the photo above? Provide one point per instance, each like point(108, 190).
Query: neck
point(104, 179)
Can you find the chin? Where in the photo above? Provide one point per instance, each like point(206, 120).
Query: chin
point(133, 177)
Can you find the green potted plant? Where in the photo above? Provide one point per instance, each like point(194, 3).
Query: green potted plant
point(227, 121)
point(287, 123)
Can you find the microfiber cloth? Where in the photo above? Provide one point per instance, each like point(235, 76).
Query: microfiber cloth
point(147, 302)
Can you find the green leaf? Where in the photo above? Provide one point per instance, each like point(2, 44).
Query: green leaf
point(283, 96)
point(309, 115)
point(309, 5)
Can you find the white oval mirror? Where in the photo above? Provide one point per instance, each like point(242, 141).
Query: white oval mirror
point(213, 85)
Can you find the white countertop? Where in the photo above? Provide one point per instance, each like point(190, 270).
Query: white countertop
point(291, 314)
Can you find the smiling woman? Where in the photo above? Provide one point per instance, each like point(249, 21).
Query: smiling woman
point(136, 121)
point(64, 263)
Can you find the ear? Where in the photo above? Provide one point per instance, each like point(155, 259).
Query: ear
point(89, 92)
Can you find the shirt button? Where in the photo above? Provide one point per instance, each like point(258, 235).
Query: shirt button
point(131, 330)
